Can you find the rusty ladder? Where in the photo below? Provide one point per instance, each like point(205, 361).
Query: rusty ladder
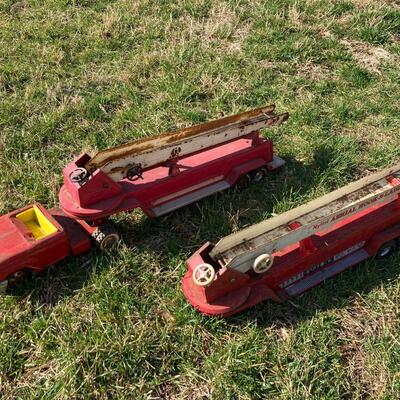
point(154, 150)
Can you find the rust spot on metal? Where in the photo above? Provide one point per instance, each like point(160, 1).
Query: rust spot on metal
point(175, 152)
point(195, 130)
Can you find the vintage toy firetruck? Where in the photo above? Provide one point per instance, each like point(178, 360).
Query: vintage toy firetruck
point(163, 173)
point(288, 254)
point(158, 174)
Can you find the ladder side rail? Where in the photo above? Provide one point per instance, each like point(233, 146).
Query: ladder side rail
point(240, 261)
point(250, 233)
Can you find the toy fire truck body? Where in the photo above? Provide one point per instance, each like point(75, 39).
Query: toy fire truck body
point(163, 173)
point(288, 254)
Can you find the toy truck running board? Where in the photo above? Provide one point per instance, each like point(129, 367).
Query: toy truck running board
point(190, 198)
point(288, 254)
point(327, 272)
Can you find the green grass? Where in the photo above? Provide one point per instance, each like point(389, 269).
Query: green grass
point(85, 75)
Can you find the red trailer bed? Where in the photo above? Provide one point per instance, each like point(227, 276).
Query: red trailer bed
point(167, 187)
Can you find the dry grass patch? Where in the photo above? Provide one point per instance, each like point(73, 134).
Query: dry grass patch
point(370, 57)
point(370, 133)
point(363, 4)
point(191, 388)
point(315, 72)
point(222, 29)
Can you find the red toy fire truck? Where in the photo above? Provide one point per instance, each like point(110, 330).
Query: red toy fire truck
point(158, 174)
point(288, 254)
point(163, 173)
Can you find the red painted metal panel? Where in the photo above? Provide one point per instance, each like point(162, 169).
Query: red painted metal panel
point(20, 251)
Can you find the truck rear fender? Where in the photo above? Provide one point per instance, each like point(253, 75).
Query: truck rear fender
point(377, 240)
point(243, 169)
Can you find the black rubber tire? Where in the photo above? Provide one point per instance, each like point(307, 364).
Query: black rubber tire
point(258, 175)
point(386, 249)
point(18, 277)
point(243, 182)
point(106, 237)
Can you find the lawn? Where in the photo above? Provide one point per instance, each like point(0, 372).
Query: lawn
point(85, 75)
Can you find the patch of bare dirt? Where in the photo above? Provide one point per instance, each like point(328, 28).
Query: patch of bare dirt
point(367, 56)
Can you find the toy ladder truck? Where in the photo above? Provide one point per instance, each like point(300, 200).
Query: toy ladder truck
point(288, 254)
point(158, 174)
point(163, 173)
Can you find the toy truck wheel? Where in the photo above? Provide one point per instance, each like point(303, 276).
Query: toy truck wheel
point(386, 249)
point(203, 275)
point(263, 263)
point(243, 181)
point(105, 237)
point(258, 175)
point(18, 277)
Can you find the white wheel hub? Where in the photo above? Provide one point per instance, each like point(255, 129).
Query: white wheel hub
point(259, 175)
point(203, 275)
point(263, 263)
point(109, 241)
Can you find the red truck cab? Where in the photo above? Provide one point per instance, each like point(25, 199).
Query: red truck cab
point(32, 238)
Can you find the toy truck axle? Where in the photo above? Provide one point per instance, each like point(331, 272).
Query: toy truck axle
point(288, 254)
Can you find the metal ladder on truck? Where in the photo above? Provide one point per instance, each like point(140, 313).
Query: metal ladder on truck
point(131, 158)
point(253, 247)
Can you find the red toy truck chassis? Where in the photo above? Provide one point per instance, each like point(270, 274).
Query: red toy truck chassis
point(289, 254)
point(163, 173)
